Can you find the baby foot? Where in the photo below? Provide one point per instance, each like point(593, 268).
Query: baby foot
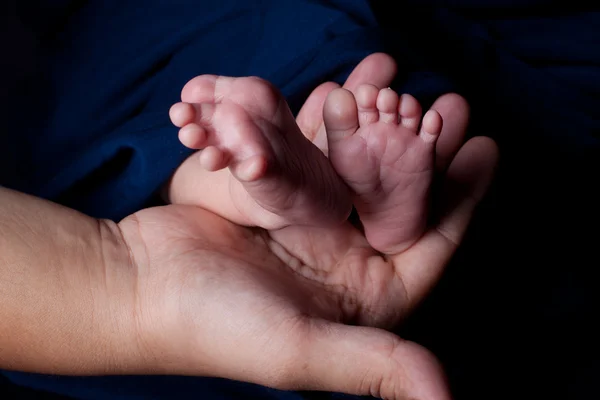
point(278, 177)
point(376, 147)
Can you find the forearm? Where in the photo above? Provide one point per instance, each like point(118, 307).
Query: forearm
point(66, 296)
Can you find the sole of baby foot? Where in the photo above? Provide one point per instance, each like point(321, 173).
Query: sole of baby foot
point(385, 152)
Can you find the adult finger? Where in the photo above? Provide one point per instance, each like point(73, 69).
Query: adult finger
point(377, 69)
point(454, 110)
point(310, 117)
point(466, 182)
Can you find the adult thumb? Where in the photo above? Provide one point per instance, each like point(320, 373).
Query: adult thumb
point(368, 361)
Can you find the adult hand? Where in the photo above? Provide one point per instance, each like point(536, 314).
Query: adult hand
point(273, 308)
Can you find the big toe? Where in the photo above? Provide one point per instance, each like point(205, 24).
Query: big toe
point(340, 115)
point(182, 114)
point(200, 89)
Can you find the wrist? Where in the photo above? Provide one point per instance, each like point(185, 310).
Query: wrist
point(117, 309)
point(138, 303)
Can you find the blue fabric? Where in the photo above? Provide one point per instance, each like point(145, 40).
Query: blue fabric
point(102, 142)
point(89, 128)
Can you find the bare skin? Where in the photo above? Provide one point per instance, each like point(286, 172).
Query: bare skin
point(386, 155)
point(278, 177)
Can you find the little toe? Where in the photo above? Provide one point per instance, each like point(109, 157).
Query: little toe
point(251, 169)
point(340, 115)
point(213, 159)
point(366, 101)
point(431, 127)
point(193, 136)
point(410, 112)
point(182, 114)
point(387, 104)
